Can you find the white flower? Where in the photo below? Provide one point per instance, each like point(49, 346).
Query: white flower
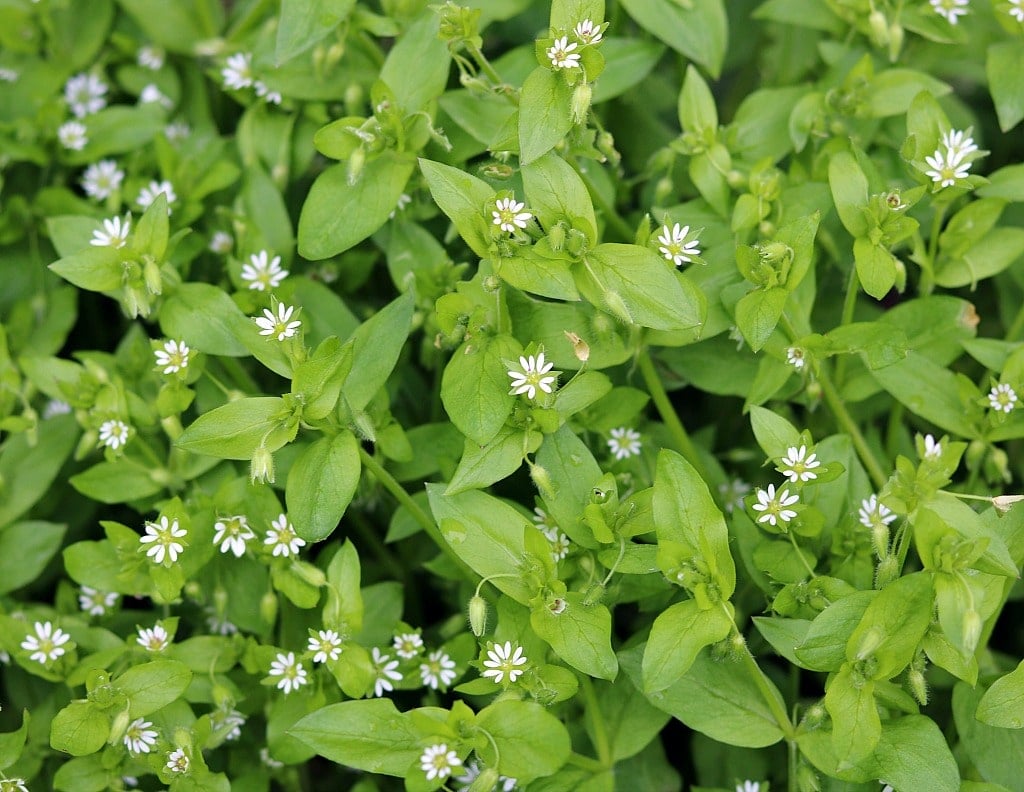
point(283, 537)
point(113, 234)
point(950, 9)
point(5, 657)
point(101, 179)
point(8, 75)
point(293, 675)
point(326, 644)
point(218, 624)
point(888, 788)
point(47, 644)
point(561, 54)
point(932, 447)
point(231, 533)
point(749, 786)
point(673, 245)
point(153, 95)
point(403, 201)
point(559, 545)
point(438, 670)
point(222, 242)
point(96, 603)
point(262, 91)
point(1016, 10)
point(540, 517)
point(72, 135)
point(733, 492)
point(774, 507)
point(509, 214)
point(1002, 398)
point(154, 639)
point(114, 433)
point(958, 144)
point(13, 785)
point(140, 736)
point(796, 468)
point(177, 761)
point(470, 773)
point(795, 357)
point(437, 761)
point(945, 169)
point(162, 535)
point(279, 325)
point(150, 57)
point(502, 660)
point(149, 193)
point(173, 357)
point(587, 32)
point(407, 645)
point(230, 719)
point(85, 94)
point(386, 672)
point(624, 442)
point(237, 73)
point(179, 130)
point(533, 375)
point(268, 760)
point(55, 407)
point(262, 274)
point(872, 513)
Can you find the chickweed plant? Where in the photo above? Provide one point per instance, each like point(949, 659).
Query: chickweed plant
point(542, 395)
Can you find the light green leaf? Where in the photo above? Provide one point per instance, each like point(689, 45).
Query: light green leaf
point(531, 742)
point(25, 549)
point(697, 111)
point(152, 686)
point(178, 26)
point(849, 191)
point(28, 471)
point(12, 743)
point(758, 313)
point(698, 29)
point(554, 191)
point(823, 647)
point(97, 269)
point(321, 484)
point(483, 465)
point(117, 482)
point(580, 635)
point(573, 472)
point(464, 198)
point(677, 636)
point(236, 429)
point(475, 386)
point(303, 23)
point(989, 256)
point(856, 727)
point(928, 390)
point(416, 69)
point(1006, 60)
point(80, 728)
point(1003, 703)
point(206, 318)
point(876, 267)
point(544, 113)
point(891, 91)
point(377, 343)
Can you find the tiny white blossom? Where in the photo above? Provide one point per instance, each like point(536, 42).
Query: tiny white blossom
point(151, 94)
point(1016, 10)
point(153, 639)
point(280, 325)
point(437, 761)
point(85, 94)
point(55, 407)
point(795, 357)
point(72, 135)
point(221, 242)
point(540, 517)
point(113, 234)
point(587, 32)
point(268, 760)
point(47, 644)
point(407, 645)
point(218, 624)
point(179, 130)
point(232, 533)
point(101, 179)
point(438, 670)
point(162, 536)
point(149, 193)
point(5, 657)
point(292, 673)
point(624, 442)
point(262, 274)
point(733, 492)
point(403, 201)
point(559, 545)
point(932, 447)
point(140, 736)
point(177, 761)
point(532, 375)
point(749, 786)
point(150, 57)
point(386, 673)
point(1002, 398)
point(888, 788)
point(796, 467)
point(230, 719)
point(774, 507)
point(509, 214)
point(673, 245)
point(958, 144)
point(326, 644)
point(13, 785)
point(237, 73)
point(96, 603)
point(173, 357)
point(873, 513)
point(502, 660)
point(283, 537)
point(267, 95)
point(470, 773)
point(8, 75)
point(946, 169)
point(114, 433)
point(561, 54)
point(950, 9)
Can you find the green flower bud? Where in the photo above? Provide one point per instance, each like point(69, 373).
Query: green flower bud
point(542, 480)
point(869, 642)
point(918, 686)
point(478, 615)
point(556, 236)
point(309, 573)
point(594, 594)
point(356, 162)
point(888, 570)
point(486, 781)
point(616, 306)
point(261, 466)
point(663, 190)
point(151, 275)
point(895, 41)
point(581, 102)
point(971, 630)
point(268, 607)
point(879, 27)
point(880, 539)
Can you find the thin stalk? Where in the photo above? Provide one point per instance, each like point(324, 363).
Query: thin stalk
point(586, 763)
point(777, 708)
point(668, 413)
point(485, 65)
point(849, 304)
point(604, 751)
point(611, 216)
point(405, 499)
point(845, 420)
point(800, 555)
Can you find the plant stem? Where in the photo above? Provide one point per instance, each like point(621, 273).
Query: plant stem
point(586, 763)
point(604, 751)
point(777, 708)
point(842, 415)
point(405, 499)
point(484, 64)
point(668, 413)
point(612, 217)
point(849, 304)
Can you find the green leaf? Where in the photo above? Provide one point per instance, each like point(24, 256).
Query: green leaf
point(152, 686)
point(1003, 703)
point(783, 635)
point(338, 215)
point(416, 69)
point(345, 600)
point(377, 343)
point(856, 727)
point(849, 191)
point(697, 111)
point(118, 130)
point(27, 470)
point(989, 256)
point(483, 465)
point(913, 754)
point(997, 753)
point(121, 481)
point(177, 26)
point(265, 207)
point(774, 433)
point(321, 484)
point(580, 635)
point(823, 647)
point(544, 113)
point(573, 472)
point(370, 735)
point(475, 386)
point(463, 198)
point(876, 267)
point(629, 61)
point(80, 728)
point(13, 743)
point(928, 390)
point(25, 550)
point(319, 379)
point(893, 625)
point(698, 29)
point(677, 636)
point(302, 23)
point(206, 318)
point(531, 742)
point(97, 269)
point(758, 313)
point(891, 91)
point(1005, 60)
point(554, 191)
point(1006, 183)
point(236, 429)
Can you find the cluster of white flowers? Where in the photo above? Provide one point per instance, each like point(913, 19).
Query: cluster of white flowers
point(673, 245)
point(774, 506)
point(798, 466)
point(47, 644)
point(951, 10)
point(504, 661)
point(509, 214)
point(1002, 398)
point(279, 325)
point(948, 164)
point(874, 514)
point(101, 179)
point(1016, 10)
point(153, 639)
point(151, 57)
point(96, 603)
point(8, 75)
point(282, 537)
point(532, 375)
point(563, 53)
point(151, 94)
point(262, 273)
point(292, 672)
point(163, 537)
point(238, 75)
point(624, 442)
point(230, 719)
point(222, 242)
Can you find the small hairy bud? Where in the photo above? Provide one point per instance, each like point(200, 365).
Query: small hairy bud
point(542, 480)
point(888, 570)
point(581, 102)
point(268, 607)
point(971, 630)
point(478, 615)
point(918, 686)
point(261, 466)
point(879, 28)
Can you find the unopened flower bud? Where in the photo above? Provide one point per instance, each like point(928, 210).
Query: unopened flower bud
point(971, 630)
point(580, 348)
point(120, 724)
point(354, 97)
point(918, 686)
point(766, 228)
point(268, 607)
point(888, 570)
point(261, 467)
point(355, 165)
point(542, 480)
point(151, 275)
point(813, 390)
point(616, 306)
point(595, 593)
point(314, 576)
point(486, 781)
point(556, 236)
point(895, 41)
point(999, 464)
point(880, 539)
point(497, 170)
point(581, 102)
point(478, 615)
point(814, 717)
point(870, 641)
point(663, 190)
point(879, 26)
point(606, 145)
point(576, 242)
point(736, 179)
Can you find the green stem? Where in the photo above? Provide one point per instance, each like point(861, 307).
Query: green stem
point(800, 555)
point(604, 751)
point(586, 763)
point(484, 64)
point(405, 499)
point(611, 217)
point(668, 414)
point(777, 708)
point(842, 415)
point(849, 304)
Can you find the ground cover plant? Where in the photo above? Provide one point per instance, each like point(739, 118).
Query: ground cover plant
point(523, 395)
